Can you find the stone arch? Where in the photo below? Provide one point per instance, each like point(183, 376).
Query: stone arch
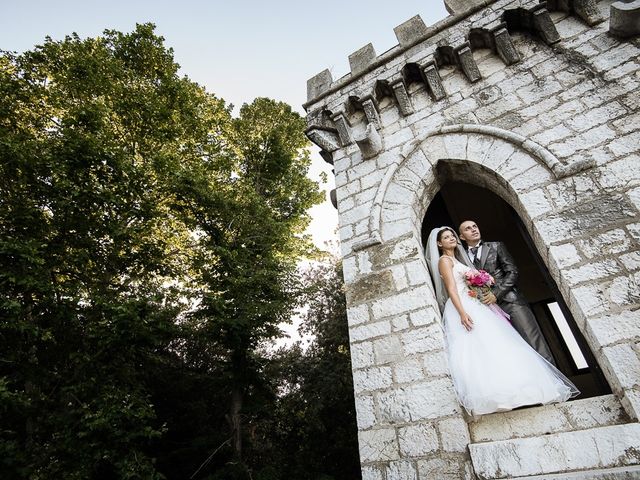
point(507, 164)
point(503, 156)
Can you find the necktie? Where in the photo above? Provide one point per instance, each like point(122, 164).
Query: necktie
point(474, 253)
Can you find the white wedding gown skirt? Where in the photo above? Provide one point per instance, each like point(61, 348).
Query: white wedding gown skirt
point(492, 367)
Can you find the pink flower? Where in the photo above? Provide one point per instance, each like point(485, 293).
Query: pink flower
point(479, 282)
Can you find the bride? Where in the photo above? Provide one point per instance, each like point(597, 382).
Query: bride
point(492, 367)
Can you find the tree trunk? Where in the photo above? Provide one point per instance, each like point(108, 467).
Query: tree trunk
point(235, 420)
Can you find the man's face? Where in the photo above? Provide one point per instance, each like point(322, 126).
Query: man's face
point(469, 232)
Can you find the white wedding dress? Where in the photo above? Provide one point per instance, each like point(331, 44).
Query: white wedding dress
point(492, 367)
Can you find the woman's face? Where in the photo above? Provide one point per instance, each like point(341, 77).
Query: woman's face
point(447, 239)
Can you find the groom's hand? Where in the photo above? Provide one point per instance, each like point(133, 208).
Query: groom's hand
point(489, 298)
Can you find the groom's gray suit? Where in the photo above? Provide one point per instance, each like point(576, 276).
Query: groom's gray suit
point(495, 259)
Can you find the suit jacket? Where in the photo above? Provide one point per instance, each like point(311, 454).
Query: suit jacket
point(496, 260)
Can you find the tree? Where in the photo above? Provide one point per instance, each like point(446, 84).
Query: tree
point(149, 245)
point(314, 428)
point(248, 251)
point(92, 250)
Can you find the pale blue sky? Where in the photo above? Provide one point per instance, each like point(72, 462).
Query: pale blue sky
point(238, 50)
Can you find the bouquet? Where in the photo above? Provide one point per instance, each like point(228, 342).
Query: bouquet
point(480, 283)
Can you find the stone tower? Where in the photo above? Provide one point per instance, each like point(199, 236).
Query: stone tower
point(536, 103)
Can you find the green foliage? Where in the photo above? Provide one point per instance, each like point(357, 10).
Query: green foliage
point(149, 245)
point(313, 431)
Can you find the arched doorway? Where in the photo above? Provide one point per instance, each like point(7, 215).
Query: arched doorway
point(457, 201)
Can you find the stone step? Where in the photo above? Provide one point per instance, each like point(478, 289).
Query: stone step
point(619, 473)
point(563, 417)
point(574, 451)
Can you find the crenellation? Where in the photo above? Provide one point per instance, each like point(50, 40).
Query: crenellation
point(411, 32)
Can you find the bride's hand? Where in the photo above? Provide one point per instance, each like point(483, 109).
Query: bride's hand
point(466, 321)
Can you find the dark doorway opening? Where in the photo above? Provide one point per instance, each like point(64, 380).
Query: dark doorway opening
point(498, 221)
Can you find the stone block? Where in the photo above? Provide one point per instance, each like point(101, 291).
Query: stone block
point(571, 191)
point(418, 401)
point(357, 314)
point(597, 116)
point(621, 174)
point(564, 255)
point(345, 232)
point(435, 363)
point(372, 378)
point(371, 330)
point(593, 412)
point(611, 446)
point(379, 445)
point(627, 144)
point(411, 31)
point(409, 371)
point(519, 423)
point(589, 299)
point(401, 303)
point(518, 163)
point(400, 323)
point(417, 440)
point(457, 7)
point(401, 470)
point(531, 178)
point(456, 145)
point(371, 286)
point(387, 350)
point(445, 468)
point(423, 317)
point(417, 273)
point(590, 272)
point(631, 261)
point(362, 355)
point(372, 472)
point(365, 411)
point(362, 58)
point(582, 414)
point(399, 277)
point(454, 434)
point(424, 339)
point(624, 291)
point(536, 203)
point(622, 363)
point(608, 243)
point(319, 84)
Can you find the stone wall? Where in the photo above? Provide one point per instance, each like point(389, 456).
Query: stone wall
point(539, 104)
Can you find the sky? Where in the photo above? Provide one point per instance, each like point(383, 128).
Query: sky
point(238, 50)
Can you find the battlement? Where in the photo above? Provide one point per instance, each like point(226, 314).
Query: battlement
point(424, 51)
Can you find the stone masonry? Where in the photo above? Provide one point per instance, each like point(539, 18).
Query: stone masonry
point(539, 103)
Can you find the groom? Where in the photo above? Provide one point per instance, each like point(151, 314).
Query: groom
point(494, 258)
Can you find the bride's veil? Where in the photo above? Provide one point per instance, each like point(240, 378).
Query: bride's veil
point(432, 255)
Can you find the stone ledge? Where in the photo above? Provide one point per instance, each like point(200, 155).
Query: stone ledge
point(581, 450)
point(591, 412)
point(620, 473)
